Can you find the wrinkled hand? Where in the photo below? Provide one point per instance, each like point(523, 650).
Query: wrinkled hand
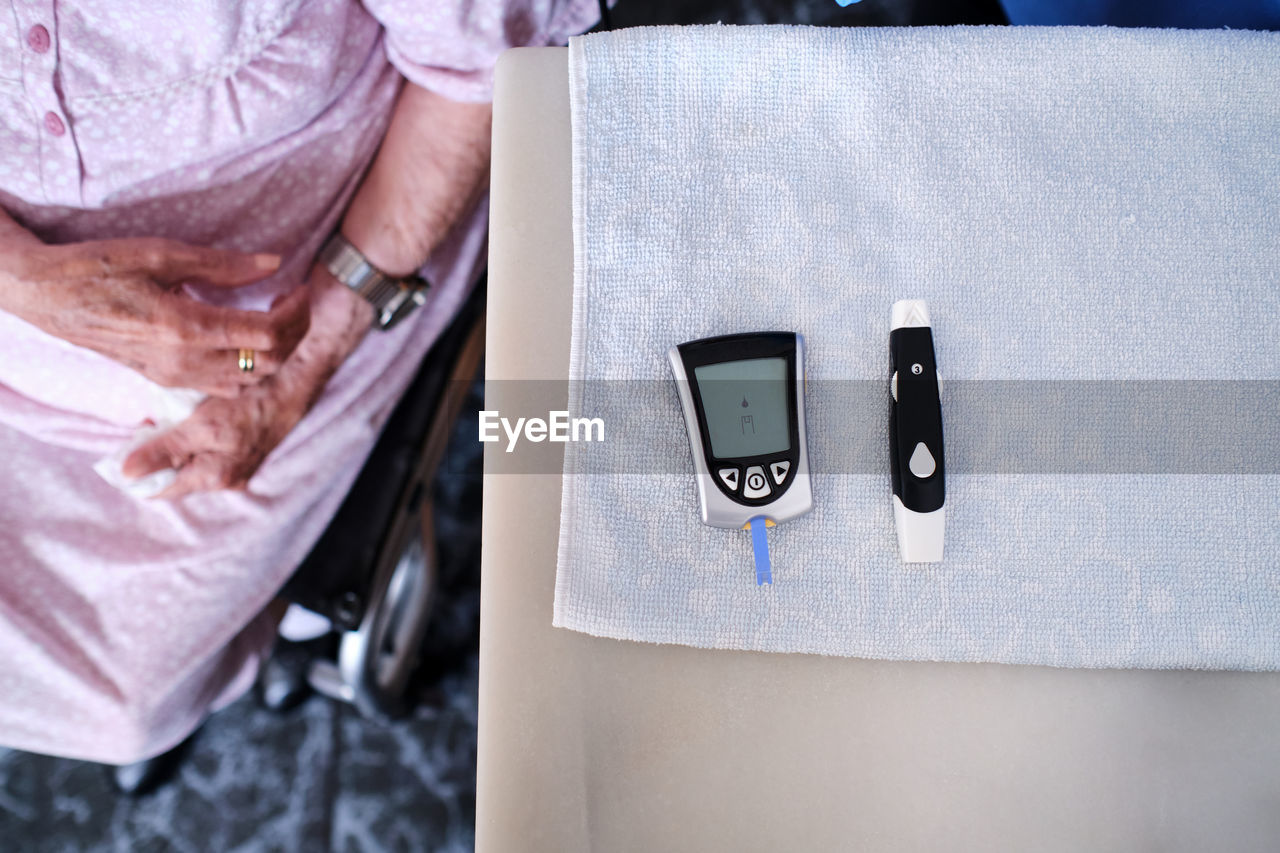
point(224, 441)
point(120, 298)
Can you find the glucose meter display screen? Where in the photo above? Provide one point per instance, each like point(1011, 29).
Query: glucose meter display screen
point(745, 406)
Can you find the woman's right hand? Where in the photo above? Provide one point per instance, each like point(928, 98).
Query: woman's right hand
point(121, 298)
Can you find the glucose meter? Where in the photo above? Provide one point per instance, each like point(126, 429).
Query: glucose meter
point(743, 401)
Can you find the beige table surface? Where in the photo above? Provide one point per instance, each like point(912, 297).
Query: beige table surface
point(594, 744)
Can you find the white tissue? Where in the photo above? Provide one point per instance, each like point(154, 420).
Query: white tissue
point(171, 406)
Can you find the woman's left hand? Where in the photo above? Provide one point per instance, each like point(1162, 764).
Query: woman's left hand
point(225, 440)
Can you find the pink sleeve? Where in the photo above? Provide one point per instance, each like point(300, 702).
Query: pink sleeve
point(451, 47)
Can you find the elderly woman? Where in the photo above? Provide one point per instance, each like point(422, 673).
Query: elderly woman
point(185, 191)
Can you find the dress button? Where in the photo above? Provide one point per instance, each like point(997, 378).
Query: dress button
point(38, 39)
point(53, 124)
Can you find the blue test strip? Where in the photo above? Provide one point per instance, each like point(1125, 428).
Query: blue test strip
point(760, 544)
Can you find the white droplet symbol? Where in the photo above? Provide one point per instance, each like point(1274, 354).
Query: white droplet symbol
point(921, 462)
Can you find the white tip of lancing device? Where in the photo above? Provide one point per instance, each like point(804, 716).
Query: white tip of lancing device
point(920, 534)
point(910, 313)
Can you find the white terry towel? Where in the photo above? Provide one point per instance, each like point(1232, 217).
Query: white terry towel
point(1073, 204)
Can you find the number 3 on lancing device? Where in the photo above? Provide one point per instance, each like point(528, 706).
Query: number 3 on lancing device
point(743, 402)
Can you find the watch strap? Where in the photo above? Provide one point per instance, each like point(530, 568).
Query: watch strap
point(392, 298)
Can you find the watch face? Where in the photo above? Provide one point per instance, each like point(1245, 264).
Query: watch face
point(406, 298)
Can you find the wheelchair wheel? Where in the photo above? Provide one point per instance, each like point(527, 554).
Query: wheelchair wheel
point(377, 660)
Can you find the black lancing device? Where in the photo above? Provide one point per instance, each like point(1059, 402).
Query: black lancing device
point(916, 458)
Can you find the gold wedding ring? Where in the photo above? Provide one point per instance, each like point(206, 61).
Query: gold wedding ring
point(246, 361)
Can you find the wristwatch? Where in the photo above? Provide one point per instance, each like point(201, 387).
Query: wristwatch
point(392, 298)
